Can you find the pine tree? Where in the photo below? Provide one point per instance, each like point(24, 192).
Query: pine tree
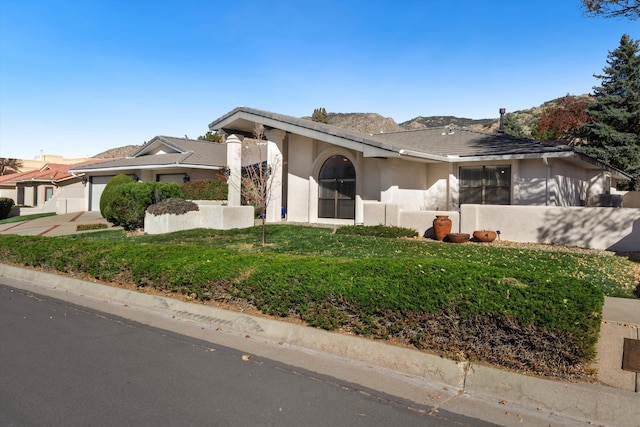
point(613, 132)
point(320, 115)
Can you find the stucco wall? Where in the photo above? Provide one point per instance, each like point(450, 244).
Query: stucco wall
point(631, 199)
point(211, 215)
point(615, 229)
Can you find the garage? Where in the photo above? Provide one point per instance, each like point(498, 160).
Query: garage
point(95, 190)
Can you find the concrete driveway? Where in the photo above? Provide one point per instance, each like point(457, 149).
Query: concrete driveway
point(55, 225)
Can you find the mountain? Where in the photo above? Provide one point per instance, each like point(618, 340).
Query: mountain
point(372, 123)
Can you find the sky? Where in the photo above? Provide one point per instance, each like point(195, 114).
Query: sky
point(78, 77)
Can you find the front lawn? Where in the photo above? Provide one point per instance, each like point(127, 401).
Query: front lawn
point(529, 310)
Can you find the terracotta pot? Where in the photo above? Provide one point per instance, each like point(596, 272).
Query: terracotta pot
point(457, 237)
point(484, 236)
point(441, 226)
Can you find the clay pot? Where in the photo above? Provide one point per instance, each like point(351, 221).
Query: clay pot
point(484, 236)
point(457, 237)
point(441, 226)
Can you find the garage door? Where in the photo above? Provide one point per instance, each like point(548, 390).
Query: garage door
point(97, 187)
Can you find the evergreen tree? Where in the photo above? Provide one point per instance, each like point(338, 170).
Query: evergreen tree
point(320, 115)
point(513, 127)
point(612, 133)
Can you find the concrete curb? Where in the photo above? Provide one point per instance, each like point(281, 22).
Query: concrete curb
point(590, 403)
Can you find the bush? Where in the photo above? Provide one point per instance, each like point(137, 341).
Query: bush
point(377, 231)
point(5, 207)
point(106, 199)
point(130, 201)
point(172, 206)
point(205, 189)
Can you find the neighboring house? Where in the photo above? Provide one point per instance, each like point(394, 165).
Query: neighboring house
point(325, 174)
point(52, 188)
point(164, 158)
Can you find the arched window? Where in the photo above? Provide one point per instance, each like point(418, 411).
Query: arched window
point(337, 189)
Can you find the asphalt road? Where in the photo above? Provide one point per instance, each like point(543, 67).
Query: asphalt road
point(62, 364)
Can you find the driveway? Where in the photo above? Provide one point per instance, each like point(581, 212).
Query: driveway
point(55, 225)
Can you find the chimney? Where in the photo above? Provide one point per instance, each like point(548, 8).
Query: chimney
point(501, 127)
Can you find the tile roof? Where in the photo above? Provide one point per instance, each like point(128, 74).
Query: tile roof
point(50, 172)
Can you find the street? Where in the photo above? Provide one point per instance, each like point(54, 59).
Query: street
point(63, 364)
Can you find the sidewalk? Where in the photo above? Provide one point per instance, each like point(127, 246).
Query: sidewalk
point(495, 395)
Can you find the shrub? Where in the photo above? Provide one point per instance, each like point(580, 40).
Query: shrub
point(377, 231)
point(106, 199)
point(130, 201)
point(205, 189)
point(96, 226)
point(5, 207)
point(172, 206)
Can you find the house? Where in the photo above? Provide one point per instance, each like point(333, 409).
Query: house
point(330, 174)
point(164, 159)
point(51, 188)
point(324, 174)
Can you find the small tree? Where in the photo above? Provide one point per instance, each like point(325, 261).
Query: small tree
point(258, 178)
point(8, 166)
point(513, 127)
point(563, 121)
point(211, 137)
point(320, 115)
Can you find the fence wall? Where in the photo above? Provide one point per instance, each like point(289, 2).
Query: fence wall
point(616, 229)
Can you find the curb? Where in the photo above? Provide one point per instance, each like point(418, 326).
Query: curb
point(591, 403)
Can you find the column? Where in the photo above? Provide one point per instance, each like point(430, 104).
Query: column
point(275, 138)
point(234, 163)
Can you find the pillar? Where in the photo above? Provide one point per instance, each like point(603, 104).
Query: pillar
point(275, 138)
point(234, 163)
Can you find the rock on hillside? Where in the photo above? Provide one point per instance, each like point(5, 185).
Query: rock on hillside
point(437, 121)
point(364, 122)
point(114, 153)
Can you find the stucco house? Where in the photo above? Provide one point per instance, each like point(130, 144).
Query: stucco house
point(330, 174)
point(164, 159)
point(325, 174)
point(51, 188)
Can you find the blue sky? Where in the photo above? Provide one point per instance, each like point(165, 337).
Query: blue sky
point(78, 77)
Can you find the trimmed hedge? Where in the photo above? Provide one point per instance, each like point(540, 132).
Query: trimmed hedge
point(377, 231)
point(518, 319)
point(5, 207)
point(106, 199)
point(130, 201)
point(205, 189)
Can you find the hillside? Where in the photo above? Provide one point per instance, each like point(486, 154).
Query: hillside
point(372, 123)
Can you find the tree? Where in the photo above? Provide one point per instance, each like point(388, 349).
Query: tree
point(512, 126)
point(320, 115)
point(612, 8)
point(257, 179)
point(8, 166)
point(612, 133)
point(562, 121)
point(211, 137)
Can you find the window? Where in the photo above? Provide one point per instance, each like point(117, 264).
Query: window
point(337, 189)
point(48, 193)
point(486, 185)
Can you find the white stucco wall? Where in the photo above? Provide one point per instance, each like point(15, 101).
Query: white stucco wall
point(589, 227)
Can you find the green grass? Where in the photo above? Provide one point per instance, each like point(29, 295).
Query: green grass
point(532, 310)
point(613, 275)
point(25, 217)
